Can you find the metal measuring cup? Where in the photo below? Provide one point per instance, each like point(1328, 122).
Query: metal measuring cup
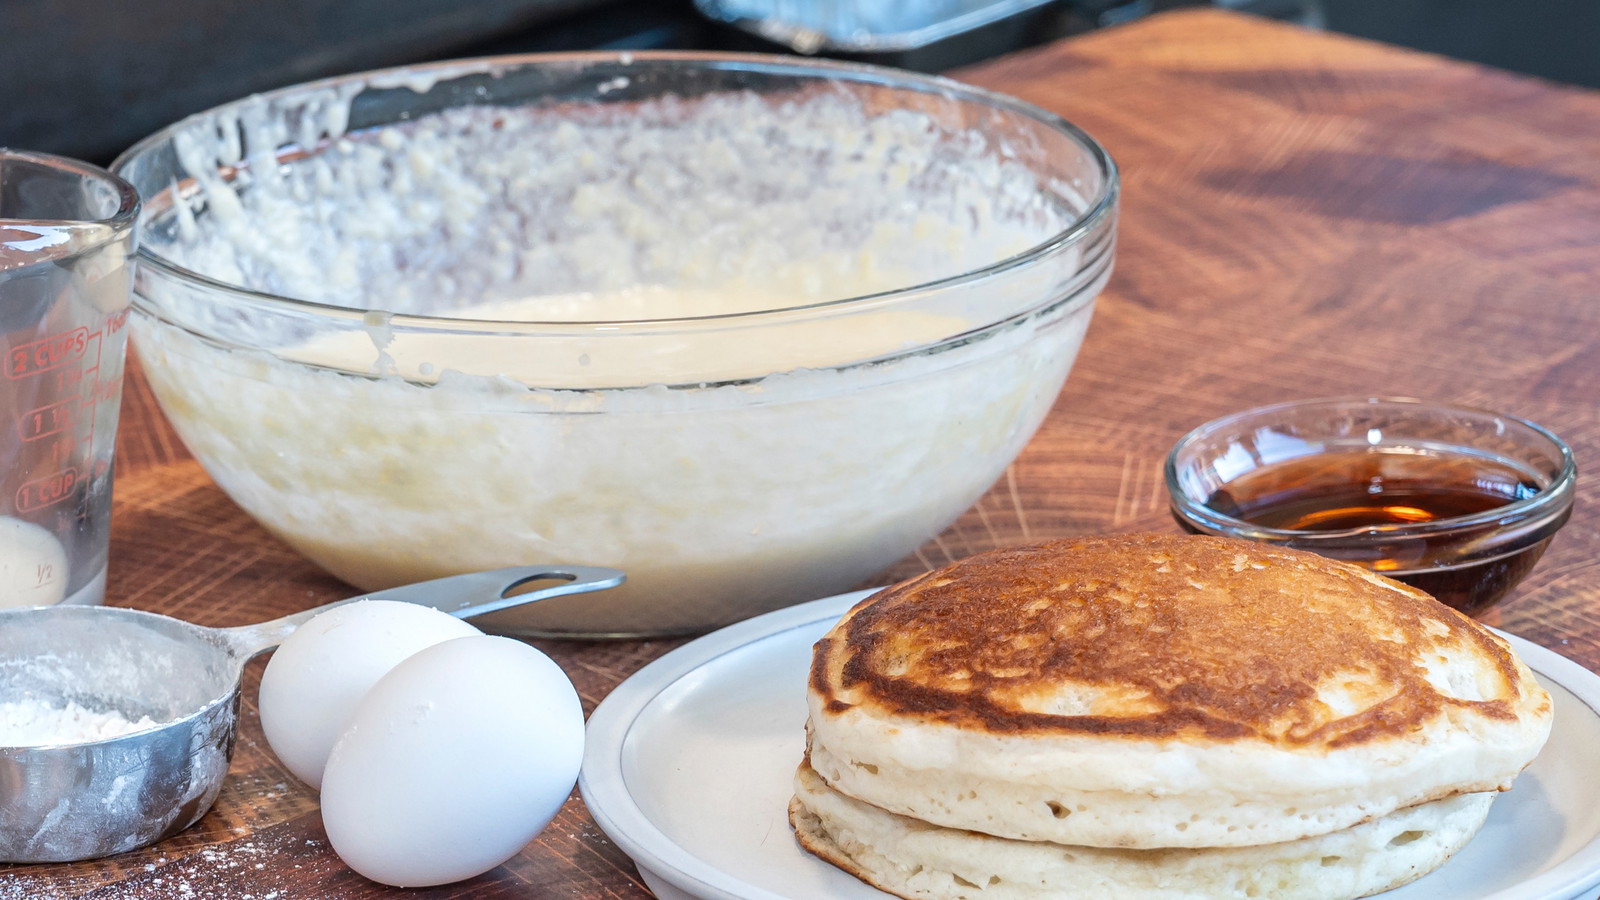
point(67, 802)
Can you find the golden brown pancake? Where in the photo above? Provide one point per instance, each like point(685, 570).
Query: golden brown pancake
point(1164, 691)
point(918, 861)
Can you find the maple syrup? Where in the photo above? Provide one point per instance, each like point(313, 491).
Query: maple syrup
point(1360, 491)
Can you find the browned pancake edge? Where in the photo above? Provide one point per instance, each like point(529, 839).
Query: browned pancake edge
point(1187, 637)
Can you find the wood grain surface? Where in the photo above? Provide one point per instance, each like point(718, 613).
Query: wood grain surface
point(1303, 215)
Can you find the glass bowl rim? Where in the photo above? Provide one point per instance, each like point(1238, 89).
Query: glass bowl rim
point(1551, 501)
point(128, 201)
point(1102, 206)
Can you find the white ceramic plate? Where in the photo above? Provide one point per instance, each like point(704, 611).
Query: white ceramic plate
point(688, 769)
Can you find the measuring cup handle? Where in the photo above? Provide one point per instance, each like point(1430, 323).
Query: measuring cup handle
point(463, 596)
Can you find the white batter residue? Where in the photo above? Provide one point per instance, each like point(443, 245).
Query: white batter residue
point(33, 723)
point(711, 207)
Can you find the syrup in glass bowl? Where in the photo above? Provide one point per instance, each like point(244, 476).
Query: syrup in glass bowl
point(1458, 502)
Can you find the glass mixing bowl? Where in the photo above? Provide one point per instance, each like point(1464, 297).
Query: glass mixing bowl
point(749, 328)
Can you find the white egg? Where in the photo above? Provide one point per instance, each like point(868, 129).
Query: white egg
point(453, 762)
point(315, 679)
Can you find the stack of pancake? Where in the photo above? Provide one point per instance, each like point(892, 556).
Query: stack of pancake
point(1150, 717)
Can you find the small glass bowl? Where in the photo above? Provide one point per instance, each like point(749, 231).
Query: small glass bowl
point(1457, 501)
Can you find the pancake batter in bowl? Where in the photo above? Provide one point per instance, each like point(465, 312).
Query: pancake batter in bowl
point(615, 334)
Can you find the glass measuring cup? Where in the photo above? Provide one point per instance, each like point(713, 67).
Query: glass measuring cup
point(66, 237)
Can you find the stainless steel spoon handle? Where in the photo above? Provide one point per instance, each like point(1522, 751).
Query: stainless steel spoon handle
point(463, 596)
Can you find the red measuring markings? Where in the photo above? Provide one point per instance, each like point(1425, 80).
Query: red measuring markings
point(42, 492)
point(107, 389)
point(47, 420)
point(68, 379)
point(32, 358)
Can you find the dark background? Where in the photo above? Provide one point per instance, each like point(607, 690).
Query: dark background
point(87, 78)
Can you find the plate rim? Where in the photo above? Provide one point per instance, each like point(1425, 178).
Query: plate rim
point(603, 787)
point(601, 777)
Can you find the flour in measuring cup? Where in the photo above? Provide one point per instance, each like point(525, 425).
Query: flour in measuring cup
point(32, 722)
